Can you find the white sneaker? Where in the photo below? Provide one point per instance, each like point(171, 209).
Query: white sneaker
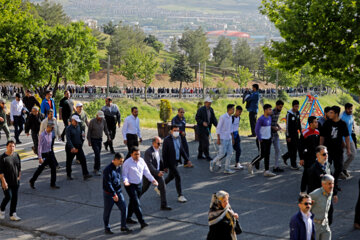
point(269, 174)
point(182, 199)
point(2, 215)
point(238, 166)
point(157, 190)
point(250, 169)
point(302, 193)
point(229, 171)
point(14, 217)
point(211, 166)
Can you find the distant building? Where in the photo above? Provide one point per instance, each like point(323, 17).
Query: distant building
point(233, 35)
point(91, 23)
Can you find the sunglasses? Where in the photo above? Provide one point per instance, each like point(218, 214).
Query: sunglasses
point(307, 204)
point(158, 144)
point(324, 154)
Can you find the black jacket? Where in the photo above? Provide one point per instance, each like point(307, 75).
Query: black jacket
point(30, 102)
point(151, 161)
point(293, 125)
point(309, 140)
point(169, 154)
point(33, 123)
point(315, 173)
point(201, 116)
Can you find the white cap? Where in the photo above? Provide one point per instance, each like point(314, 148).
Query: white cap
point(79, 104)
point(208, 99)
point(100, 114)
point(76, 118)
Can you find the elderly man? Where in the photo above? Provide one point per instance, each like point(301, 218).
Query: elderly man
point(83, 117)
point(94, 135)
point(33, 123)
point(301, 224)
point(321, 205)
point(112, 116)
point(16, 116)
point(205, 117)
point(3, 122)
point(48, 103)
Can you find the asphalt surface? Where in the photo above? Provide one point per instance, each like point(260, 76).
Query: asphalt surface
point(264, 205)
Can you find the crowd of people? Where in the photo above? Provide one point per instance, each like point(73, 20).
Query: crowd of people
point(320, 148)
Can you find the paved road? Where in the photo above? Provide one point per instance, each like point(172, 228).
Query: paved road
point(75, 211)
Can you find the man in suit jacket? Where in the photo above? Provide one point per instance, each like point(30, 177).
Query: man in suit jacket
point(156, 167)
point(205, 117)
point(301, 224)
point(172, 153)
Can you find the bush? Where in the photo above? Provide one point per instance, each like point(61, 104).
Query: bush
point(356, 114)
point(165, 110)
point(345, 98)
point(283, 96)
point(93, 107)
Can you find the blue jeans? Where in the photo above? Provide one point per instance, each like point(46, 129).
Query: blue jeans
point(237, 146)
point(134, 191)
point(10, 195)
point(109, 203)
point(96, 146)
point(225, 148)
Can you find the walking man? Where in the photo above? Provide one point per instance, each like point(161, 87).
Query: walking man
point(83, 117)
point(74, 144)
point(309, 141)
point(301, 224)
point(293, 128)
point(113, 193)
point(275, 128)
point(225, 140)
point(180, 121)
point(66, 108)
point(46, 157)
point(171, 153)
point(131, 130)
point(347, 117)
point(133, 170)
point(321, 199)
point(253, 107)
point(48, 103)
point(112, 116)
point(16, 116)
point(3, 119)
point(205, 118)
point(94, 135)
point(263, 141)
point(236, 135)
point(10, 173)
point(33, 123)
point(30, 101)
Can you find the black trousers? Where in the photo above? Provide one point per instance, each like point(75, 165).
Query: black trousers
point(252, 120)
point(112, 133)
point(336, 158)
point(70, 157)
point(132, 140)
point(293, 148)
point(264, 153)
point(161, 187)
point(185, 145)
point(35, 138)
point(10, 194)
point(49, 159)
point(66, 123)
point(357, 208)
point(203, 144)
point(174, 173)
point(18, 126)
point(134, 192)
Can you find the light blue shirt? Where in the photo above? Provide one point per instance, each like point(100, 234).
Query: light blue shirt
point(224, 127)
point(177, 147)
point(133, 171)
point(349, 120)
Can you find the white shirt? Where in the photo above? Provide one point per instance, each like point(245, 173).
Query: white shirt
point(16, 108)
point(157, 156)
point(131, 126)
point(133, 172)
point(235, 124)
point(308, 224)
point(224, 127)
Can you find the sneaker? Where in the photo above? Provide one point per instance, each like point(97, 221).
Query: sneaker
point(126, 229)
point(211, 166)
point(267, 173)
point(302, 193)
point(294, 167)
point(238, 166)
point(14, 217)
point(347, 174)
point(342, 176)
point(2, 215)
point(108, 231)
point(182, 199)
point(250, 169)
point(156, 189)
point(229, 171)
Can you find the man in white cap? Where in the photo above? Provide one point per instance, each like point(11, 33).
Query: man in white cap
point(73, 147)
point(83, 117)
point(94, 135)
point(205, 117)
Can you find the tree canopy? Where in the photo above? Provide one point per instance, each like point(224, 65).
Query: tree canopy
point(181, 72)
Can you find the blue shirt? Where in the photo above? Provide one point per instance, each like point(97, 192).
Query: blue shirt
point(349, 120)
point(112, 179)
point(45, 107)
point(253, 102)
point(180, 122)
point(177, 147)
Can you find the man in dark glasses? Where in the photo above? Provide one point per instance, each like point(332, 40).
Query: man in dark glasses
point(301, 224)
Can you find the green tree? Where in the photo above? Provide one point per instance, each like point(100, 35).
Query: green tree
point(223, 50)
point(181, 72)
point(109, 28)
point(152, 41)
point(242, 76)
point(324, 34)
point(148, 69)
point(174, 46)
point(194, 43)
point(243, 55)
point(101, 39)
point(52, 13)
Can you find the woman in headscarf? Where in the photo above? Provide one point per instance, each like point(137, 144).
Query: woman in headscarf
point(222, 219)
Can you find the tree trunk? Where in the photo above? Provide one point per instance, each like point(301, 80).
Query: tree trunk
point(196, 72)
point(146, 88)
point(180, 90)
point(132, 83)
point(56, 86)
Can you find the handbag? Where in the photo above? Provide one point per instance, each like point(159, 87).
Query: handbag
point(238, 229)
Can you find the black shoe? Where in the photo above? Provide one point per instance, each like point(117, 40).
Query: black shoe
point(18, 142)
point(108, 231)
point(143, 225)
point(32, 184)
point(106, 146)
point(251, 135)
point(208, 159)
point(200, 157)
point(166, 208)
point(55, 187)
point(69, 178)
point(87, 176)
point(126, 229)
point(284, 159)
point(112, 151)
point(257, 165)
point(278, 169)
point(131, 221)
